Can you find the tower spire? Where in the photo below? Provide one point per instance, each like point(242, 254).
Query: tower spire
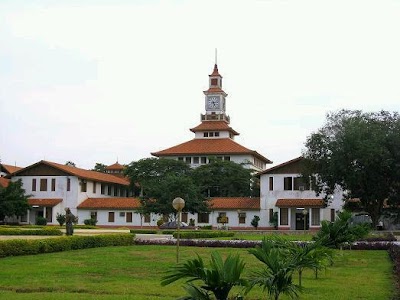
point(216, 57)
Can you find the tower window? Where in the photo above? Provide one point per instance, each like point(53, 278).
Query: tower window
point(214, 81)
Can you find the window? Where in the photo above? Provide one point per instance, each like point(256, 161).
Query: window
point(203, 160)
point(227, 158)
point(219, 157)
point(300, 185)
point(203, 218)
point(287, 183)
point(315, 217)
point(115, 190)
point(83, 186)
point(147, 218)
point(284, 216)
point(49, 214)
point(122, 214)
point(53, 184)
point(332, 215)
point(93, 215)
point(94, 187)
point(196, 160)
point(211, 134)
point(33, 185)
point(188, 160)
point(242, 218)
point(43, 184)
point(102, 189)
point(180, 158)
point(216, 133)
point(128, 217)
point(184, 217)
point(109, 190)
point(68, 184)
point(111, 217)
point(205, 134)
point(271, 183)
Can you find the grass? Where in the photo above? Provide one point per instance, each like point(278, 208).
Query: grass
point(135, 272)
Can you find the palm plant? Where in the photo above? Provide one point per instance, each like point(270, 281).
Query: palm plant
point(218, 279)
point(276, 276)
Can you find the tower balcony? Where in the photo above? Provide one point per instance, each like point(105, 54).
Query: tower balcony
point(215, 117)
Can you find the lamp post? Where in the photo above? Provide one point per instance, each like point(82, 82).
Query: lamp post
point(305, 212)
point(178, 203)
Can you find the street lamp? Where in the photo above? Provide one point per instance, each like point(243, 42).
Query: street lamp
point(178, 203)
point(305, 212)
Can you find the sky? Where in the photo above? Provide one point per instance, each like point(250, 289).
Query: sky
point(105, 81)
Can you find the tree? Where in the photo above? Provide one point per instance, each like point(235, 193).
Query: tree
point(13, 201)
point(99, 167)
point(219, 278)
point(223, 179)
point(358, 152)
point(70, 163)
point(162, 180)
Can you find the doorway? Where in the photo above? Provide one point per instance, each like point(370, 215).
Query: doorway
point(302, 220)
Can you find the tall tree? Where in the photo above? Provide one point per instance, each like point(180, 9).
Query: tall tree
point(223, 179)
point(99, 167)
point(13, 201)
point(358, 152)
point(162, 180)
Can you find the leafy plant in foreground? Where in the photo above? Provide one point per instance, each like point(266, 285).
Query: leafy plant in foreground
point(218, 279)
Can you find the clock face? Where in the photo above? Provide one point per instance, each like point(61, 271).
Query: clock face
point(213, 102)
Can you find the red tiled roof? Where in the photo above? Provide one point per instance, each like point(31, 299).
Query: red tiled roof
point(10, 169)
point(214, 125)
point(81, 173)
point(215, 71)
point(110, 203)
point(4, 182)
point(215, 89)
point(234, 203)
point(270, 170)
point(209, 147)
point(44, 202)
point(300, 203)
point(115, 166)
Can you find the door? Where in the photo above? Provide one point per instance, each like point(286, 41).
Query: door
point(301, 221)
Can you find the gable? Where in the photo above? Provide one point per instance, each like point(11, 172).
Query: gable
point(42, 170)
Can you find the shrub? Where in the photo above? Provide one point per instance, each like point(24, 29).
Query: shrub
point(203, 234)
point(90, 222)
point(17, 231)
point(255, 221)
point(206, 227)
point(29, 247)
point(146, 231)
point(60, 219)
point(41, 221)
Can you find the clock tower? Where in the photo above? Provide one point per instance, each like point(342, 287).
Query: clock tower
point(215, 99)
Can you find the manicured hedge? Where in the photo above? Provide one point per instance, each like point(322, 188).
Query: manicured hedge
point(144, 231)
point(17, 231)
point(198, 234)
point(66, 243)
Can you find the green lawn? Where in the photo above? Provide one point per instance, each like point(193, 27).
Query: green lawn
point(134, 273)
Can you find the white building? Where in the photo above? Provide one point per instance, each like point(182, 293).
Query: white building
point(284, 191)
point(213, 136)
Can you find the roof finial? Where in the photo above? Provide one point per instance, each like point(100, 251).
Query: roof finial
point(216, 57)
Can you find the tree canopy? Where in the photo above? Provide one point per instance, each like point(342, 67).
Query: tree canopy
point(162, 180)
point(13, 201)
point(99, 167)
point(360, 153)
point(223, 179)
